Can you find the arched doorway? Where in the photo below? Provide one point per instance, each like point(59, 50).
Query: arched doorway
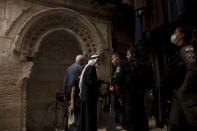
point(50, 40)
point(57, 51)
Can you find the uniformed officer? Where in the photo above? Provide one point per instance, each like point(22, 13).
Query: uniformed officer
point(183, 116)
point(119, 77)
point(119, 87)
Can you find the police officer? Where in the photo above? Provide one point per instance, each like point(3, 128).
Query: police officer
point(119, 87)
point(183, 116)
point(139, 78)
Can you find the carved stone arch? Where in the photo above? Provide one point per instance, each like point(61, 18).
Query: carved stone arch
point(32, 31)
point(36, 47)
point(41, 25)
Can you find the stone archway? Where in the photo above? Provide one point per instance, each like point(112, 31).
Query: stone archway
point(28, 40)
point(37, 43)
point(56, 52)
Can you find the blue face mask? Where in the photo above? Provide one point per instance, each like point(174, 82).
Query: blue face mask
point(174, 39)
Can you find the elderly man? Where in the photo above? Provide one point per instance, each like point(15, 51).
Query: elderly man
point(70, 75)
point(89, 90)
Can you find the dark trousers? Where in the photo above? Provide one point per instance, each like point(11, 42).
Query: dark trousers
point(77, 113)
point(88, 116)
point(78, 125)
point(136, 117)
point(111, 122)
point(120, 110)
point(116, 113)
point(183, 111)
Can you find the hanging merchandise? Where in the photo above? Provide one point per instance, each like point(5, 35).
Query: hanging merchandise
point(141, 37)
point(149, 16)
point(138, 30)
point(154, 15)
point(140, 8)
point(124, 18)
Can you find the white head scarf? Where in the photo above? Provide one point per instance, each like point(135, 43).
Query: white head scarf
point(91, 62)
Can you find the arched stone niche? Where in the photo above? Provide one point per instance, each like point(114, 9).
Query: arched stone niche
point(39, 25)
point(32, 33)
point(56, 52)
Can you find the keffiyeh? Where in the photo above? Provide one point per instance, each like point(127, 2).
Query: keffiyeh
point(91, 62)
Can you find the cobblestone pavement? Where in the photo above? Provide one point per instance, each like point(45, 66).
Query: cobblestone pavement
point(151, 125)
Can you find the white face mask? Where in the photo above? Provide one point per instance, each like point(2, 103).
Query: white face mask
point(174, 39)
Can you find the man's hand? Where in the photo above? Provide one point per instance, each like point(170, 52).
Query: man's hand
point(111, 88)
point(101, 100)
point(71, 107)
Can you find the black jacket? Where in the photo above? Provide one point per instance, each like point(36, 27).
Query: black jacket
point(188, 55)
point(120, 77)
point(140, 76)
point(187, 93)
point(90, 85)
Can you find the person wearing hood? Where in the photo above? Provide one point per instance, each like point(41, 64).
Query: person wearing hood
point(89, 91)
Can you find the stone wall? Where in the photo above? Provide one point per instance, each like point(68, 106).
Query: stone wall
point(18, 70)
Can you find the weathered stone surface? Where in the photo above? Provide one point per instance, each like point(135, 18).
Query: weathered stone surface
point(28, 83)
point(14, 8)
point(5, 123)
point(10, 96)
point(56, 50)
point(2, 9)
point(84, 6)
point(2, 16)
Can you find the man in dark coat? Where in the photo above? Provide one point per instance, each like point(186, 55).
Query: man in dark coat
point(183, 116)
point(118, 92)
point(89, 91)
point(139, 78)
